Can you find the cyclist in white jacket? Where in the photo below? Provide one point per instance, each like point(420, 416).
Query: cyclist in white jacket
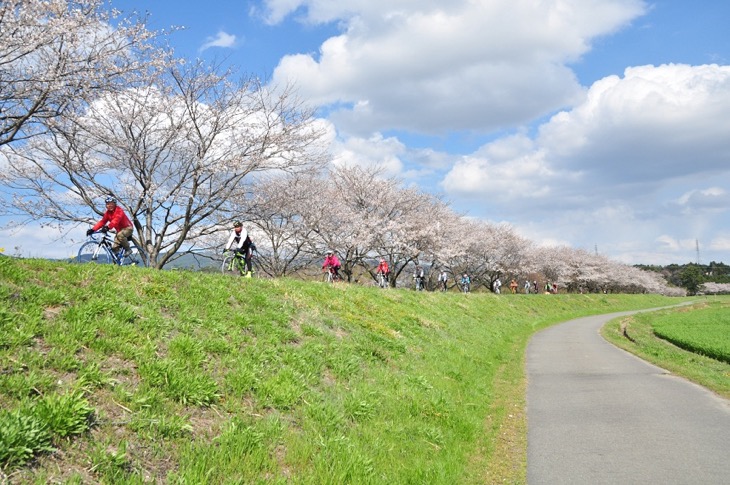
point(239, 242)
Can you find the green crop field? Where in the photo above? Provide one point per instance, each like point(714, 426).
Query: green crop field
point(707, 332)
point(130, 375)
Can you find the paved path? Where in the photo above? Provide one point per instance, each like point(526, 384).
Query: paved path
point(599, 415)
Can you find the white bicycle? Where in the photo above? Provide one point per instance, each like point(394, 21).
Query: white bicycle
point(99, 250)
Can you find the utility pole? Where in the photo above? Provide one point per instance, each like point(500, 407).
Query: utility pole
point(697, 246)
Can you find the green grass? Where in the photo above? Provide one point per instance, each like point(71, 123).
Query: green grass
point(706, 332)
point(127, 375)
point(693, 342)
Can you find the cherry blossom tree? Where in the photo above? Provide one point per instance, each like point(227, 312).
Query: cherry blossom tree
point(174, 154)
point(282, 236)
point(482, 250)
point(398, 223)
point(57, 54)
point(406, 227)
point(712, 288)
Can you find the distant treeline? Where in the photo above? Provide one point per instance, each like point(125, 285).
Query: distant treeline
point(711, 273)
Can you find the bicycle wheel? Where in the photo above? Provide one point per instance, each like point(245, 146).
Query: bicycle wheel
point(137, 258)
point(93, 252)
point(230, 266)
point(328, 277)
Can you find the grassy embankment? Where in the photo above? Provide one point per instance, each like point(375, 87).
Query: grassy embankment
point(693, 342)
point(128, 375)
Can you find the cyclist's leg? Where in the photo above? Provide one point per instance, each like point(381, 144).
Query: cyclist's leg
point(247, 262)
point(122, 239)
point(134, 257)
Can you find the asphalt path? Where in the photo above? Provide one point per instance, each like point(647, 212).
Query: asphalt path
point(599, 415)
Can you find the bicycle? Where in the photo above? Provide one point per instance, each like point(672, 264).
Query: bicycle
point(234, 263)
point(465, 287)
point(99, 250)
point(382, 280)
point(330, 275)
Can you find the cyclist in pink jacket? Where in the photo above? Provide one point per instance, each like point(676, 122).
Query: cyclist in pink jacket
point(331, 262)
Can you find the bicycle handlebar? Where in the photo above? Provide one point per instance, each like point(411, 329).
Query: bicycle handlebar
point(108, 231)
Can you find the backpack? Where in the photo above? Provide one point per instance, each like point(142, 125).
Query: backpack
point(247, 243)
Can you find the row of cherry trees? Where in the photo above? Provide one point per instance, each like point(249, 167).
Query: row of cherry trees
point(363, 216)
point(92, 105)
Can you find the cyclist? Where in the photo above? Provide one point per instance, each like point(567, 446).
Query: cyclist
point(383, 269)
point(419, 277)
point(497, 286)
point(443, 280)
point(331, 263)
point(240, 239)
point(115, 218)
point(465, 282)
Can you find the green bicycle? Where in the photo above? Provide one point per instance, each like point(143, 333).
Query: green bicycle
point(234, 264)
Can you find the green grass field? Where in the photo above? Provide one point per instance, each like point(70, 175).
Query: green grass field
point(693, 342)
point(128, 375)
point(707, 332)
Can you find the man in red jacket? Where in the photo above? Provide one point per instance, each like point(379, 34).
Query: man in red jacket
point(115, 218)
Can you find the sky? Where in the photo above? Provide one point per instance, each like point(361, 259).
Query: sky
point(597, 124)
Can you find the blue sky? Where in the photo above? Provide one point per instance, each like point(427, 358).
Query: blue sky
point(591, 123)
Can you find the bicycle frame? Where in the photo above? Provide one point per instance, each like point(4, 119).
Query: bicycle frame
point(102, 251)
point(330, 275)
point(234, 262)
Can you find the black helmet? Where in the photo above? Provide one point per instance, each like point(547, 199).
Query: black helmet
point(237, 224)
point(110, 199)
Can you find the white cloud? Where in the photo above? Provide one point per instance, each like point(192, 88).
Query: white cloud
point(512, 167)
point(667, 121)
point(221, 39)
point(433, 66)
point(374, 151)
point(714, 199)
point(642, 158)
point(720, 243)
